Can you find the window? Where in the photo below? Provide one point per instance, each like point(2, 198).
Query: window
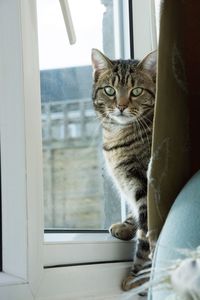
point(79, 203)
point(0, 222)
point(76, 195)
point(66, 264)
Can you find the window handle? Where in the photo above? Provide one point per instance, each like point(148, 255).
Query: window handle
point(68, 21)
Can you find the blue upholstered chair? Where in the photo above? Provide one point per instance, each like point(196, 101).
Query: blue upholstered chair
point(181, 230)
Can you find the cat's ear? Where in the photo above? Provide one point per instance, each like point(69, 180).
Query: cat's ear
point(149, 63)
point(99, 61)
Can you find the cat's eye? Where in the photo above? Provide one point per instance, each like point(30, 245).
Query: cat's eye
point(136, 92)
point(109, 90)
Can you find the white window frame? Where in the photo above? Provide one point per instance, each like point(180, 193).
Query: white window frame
point(24, 251)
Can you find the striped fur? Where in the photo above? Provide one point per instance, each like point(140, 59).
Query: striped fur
point(123, 98)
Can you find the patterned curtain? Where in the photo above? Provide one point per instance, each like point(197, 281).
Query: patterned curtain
point(176, 140)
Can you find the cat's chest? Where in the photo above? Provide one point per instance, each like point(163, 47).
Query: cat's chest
point(125, 163)
point(121, 165)
point(124, 154)
point(125, 184)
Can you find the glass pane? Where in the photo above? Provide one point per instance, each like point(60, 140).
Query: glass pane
point(76, 194)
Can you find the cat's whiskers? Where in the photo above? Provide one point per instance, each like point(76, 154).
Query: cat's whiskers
point(143, 130)
point(134, 113)
point(108, 117)
point(149, 120)
point(145, 127)
point(100, 119)
point(139, 130)
point(103, 117)
point(97, 129)
point(144, 121)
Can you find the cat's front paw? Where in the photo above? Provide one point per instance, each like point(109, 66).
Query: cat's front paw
point(122, 231)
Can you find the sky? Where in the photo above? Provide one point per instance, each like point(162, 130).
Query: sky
point(54, 48)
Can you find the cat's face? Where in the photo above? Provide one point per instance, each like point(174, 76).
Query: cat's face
point(123, 91)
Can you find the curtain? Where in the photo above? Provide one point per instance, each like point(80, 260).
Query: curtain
point(175, 145)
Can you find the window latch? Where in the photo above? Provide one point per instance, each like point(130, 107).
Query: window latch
point(68, 21)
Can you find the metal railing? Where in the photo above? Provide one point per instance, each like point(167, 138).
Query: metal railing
point(69, 122)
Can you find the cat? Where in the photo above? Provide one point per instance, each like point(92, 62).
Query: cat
point(124, 98)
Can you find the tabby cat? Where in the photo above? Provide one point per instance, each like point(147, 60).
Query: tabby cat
point(123, 98)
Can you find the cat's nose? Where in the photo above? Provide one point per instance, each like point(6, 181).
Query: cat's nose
point(122, 107)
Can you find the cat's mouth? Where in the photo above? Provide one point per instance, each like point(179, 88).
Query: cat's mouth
point(122, 118)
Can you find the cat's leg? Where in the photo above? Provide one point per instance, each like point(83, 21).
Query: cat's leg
point(126, 230)
point(141, 262)
point(141, 256)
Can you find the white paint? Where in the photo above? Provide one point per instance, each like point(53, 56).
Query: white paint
point(80, 248)
point(13, 164)
point(21, 151)
point(24, 277)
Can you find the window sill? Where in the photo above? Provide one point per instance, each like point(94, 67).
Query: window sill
point(7, 279)
point(80, 238)
point(85, 282)
point(64, 249)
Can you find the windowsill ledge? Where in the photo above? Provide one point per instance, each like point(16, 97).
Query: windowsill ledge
point(7, 279)
point(64, 249)
point(81, 238)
